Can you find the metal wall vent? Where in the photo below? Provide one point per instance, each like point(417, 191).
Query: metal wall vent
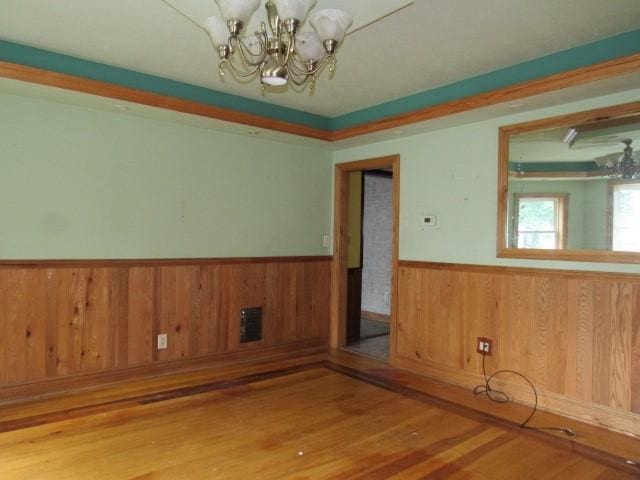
point(250, 324)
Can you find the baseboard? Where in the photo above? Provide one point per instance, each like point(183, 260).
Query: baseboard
point(594, 414)
point(54, 386)
point(377, 317)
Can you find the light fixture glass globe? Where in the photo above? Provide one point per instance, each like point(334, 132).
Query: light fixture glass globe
point(253, 47)
point(217, 30)
point(309, 47)
point(331, 24)
point(240, 10)
point(298, 9)
point(274, 81)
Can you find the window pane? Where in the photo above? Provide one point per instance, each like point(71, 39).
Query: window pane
point(537, 214)
point(537, 240)
point(626, 221)
point(626, 239)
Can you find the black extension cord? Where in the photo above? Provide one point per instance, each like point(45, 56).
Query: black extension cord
point(499, 396)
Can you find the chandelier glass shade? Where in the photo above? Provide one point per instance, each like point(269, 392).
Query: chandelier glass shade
point(281, 53)
point(625, 166)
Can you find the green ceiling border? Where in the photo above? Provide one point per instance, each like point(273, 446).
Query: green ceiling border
point(607, 49)
point(571, 167)
point(56, 62)
point(602, 50)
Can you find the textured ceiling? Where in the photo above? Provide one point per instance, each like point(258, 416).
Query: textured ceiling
point(425, 45)
point(547, 145)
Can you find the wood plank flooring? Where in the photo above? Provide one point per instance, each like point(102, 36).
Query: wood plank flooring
point(300, 418)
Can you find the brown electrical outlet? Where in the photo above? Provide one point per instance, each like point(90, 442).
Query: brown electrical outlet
point(484, 346)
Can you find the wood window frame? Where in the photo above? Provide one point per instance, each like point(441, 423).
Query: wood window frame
point(562, 200)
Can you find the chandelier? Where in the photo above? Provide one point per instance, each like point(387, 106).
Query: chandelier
point(283, 54)
point(625, 166)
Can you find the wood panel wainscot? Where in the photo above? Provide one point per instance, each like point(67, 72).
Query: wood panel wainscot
point(64, 318)
point(576, 335)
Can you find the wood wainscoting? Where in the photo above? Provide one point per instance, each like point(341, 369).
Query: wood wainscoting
point(576, 335)
point(63, 318)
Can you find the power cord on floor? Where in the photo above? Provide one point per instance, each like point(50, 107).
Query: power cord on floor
point(499, 396)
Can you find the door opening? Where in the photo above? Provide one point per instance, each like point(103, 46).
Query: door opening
point(369, 262)
point(365, 257)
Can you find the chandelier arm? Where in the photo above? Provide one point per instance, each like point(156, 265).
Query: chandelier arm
point(297, 79)
point(263, 31)
point(236, 70)
point(302, 68)
point(242, 47)
point(331, 58)
point(291, 45)
point(298, 68)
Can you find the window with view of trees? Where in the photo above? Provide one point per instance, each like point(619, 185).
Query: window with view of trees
point(625, 221)
point(539, 221)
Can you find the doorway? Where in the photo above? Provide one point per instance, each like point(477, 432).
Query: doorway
point(369, 262)
point(365, 256)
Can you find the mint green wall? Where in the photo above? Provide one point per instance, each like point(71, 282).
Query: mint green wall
point(82, 183)
point(596, 203)
point(452, 173)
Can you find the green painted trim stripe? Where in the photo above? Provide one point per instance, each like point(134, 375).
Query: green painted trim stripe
point(56, 62)
point(607, 49)
point(587, 166)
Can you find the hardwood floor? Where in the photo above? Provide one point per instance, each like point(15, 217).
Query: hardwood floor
point(308, 416)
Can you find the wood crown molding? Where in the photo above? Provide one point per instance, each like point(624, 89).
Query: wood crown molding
point(598, 71)
point(93, 87)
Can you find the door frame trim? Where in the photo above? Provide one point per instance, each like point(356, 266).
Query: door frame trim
point(338, 310)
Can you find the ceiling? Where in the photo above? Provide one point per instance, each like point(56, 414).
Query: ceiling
point(548, 146)
point(427, 44)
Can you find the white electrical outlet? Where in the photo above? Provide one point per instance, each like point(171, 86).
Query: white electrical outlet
point(485, 346)
point(325, 241)
point(162, 341)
